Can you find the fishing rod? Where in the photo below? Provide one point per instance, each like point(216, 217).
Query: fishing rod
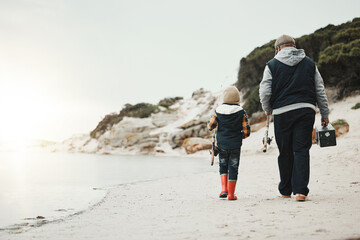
point(214, 149)
point(267, 140)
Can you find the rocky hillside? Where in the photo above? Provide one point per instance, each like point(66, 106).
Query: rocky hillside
point(173, 126)
point(335, 49)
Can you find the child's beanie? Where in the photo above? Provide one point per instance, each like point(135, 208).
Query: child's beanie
point(231, 95)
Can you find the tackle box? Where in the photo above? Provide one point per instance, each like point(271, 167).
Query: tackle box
point(325, 136)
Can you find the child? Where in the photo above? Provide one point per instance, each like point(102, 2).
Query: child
point(232, 126)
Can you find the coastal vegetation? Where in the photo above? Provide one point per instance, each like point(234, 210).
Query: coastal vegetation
point(140, 110)
point(335, 50)
point(167, 102)
point(339, 122)
point(356, 106)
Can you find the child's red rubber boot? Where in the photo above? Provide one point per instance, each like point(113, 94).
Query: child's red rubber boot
point(224, 183)
point(231, 190)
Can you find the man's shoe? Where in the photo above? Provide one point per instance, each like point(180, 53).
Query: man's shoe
point(300, 197)
point(285, 196)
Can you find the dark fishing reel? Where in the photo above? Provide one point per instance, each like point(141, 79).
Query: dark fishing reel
point(268, 140)
point(216, 150)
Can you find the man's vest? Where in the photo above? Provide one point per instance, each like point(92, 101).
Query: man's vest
point(292, 84)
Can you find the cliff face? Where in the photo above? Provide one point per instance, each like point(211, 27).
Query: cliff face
point(178, 128)
point(335, 49)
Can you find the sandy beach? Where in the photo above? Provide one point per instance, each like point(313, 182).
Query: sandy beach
point(188, 207)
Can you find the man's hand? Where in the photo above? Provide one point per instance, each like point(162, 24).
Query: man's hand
point(268, 113)
point(324, 122)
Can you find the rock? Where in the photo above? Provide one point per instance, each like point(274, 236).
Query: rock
point(198, 93)
point(203, 132)
point(340, 130)
point(162, 119)
point(76, 142)
point(147, 147)
point(132, 139)
point(257, 117)
point(159, 150)
point(154, 139)
point(258, 121)
point(90, 146)
point(195, 144)
point(178, 138)
point(167, 102)
point(341, 127)
point(255, 127)
point(191, 123)
point(129, 132)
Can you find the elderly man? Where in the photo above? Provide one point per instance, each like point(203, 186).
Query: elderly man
point(290, 89)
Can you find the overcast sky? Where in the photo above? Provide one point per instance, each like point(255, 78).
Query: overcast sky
point(64, 64)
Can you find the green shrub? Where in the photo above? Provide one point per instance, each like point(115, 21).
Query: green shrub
point(347, 35)
point(357, 106)
point(337, 52)
point(339, 65)
point(167, 102)
point(339, 122)
point(140, 110)
point(252, 103)
point(252, 67)
point(108, 121)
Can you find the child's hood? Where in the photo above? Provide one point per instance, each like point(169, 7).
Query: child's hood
point(228, 109)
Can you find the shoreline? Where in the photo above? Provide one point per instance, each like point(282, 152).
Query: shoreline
point(18, 223)
point(38, 222)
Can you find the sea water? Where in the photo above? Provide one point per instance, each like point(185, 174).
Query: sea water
point(51, 186)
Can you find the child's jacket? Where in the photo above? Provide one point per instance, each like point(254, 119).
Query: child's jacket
point(233, 126)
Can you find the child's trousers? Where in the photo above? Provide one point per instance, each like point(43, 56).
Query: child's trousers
point(229, 163)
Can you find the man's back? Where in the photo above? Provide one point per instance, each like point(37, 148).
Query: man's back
point(292, 84)
point(287, 95)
